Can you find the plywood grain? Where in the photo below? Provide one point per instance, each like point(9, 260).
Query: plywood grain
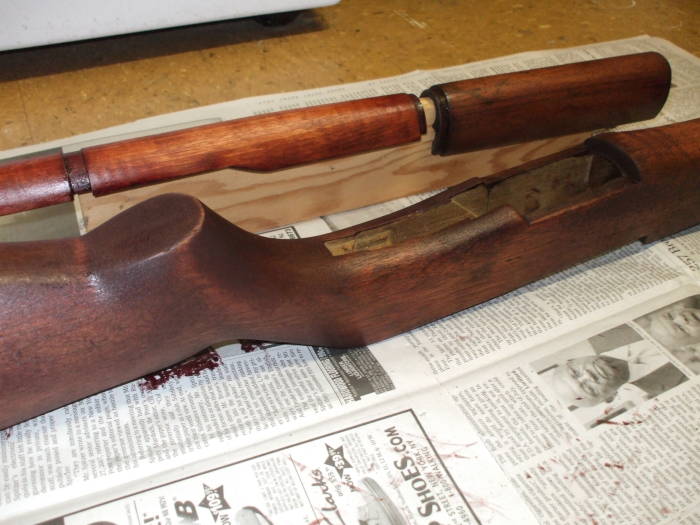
point(261, 201)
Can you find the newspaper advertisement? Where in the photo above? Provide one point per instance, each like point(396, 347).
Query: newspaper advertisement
point(570, 400)
point(382, 471)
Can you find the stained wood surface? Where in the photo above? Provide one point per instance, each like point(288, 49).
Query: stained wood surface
point(261, 143)
point(33, 182)
point(169, 277)
point(530, 105)
point(472, 115)
point(258, 202)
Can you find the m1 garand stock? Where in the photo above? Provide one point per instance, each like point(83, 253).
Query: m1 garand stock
point(470, 114)
point(169, 277)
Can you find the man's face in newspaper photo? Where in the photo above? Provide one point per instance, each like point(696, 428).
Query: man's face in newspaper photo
point(589, 380)
point(675, 325)
point(689, 355)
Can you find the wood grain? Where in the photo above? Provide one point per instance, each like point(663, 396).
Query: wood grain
point(34, 181)
point(258, 203)
point(169, 277)
point(261, 143)
point(530, 105)
point(473, 114)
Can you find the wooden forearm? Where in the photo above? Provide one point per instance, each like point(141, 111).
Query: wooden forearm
point(493, 111)
point(169, 277)
point(471, 114)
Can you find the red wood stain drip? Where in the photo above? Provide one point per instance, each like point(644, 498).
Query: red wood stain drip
point(250, 345)
point(615, 465)
point(621, 423)
point(208, 359)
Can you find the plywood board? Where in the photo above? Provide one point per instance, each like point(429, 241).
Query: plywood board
point(260, 201)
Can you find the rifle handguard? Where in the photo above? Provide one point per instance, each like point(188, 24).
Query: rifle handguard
point(471, 114)
point(548, 102)
point(169, 277)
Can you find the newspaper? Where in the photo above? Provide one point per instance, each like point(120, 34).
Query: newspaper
point(492, 415)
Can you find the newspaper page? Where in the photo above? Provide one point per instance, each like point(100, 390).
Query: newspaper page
point(600, 427)
point(401, 462)
point(467, 399)
point(379, 471)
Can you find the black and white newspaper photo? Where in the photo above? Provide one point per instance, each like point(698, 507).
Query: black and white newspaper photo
point(603, 429)
point(676, 327)
point(607, 375)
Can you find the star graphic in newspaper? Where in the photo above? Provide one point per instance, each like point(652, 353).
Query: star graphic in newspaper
point(214, 500)
point(336, 459)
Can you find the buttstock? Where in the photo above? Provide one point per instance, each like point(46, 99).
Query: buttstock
point(169, 277)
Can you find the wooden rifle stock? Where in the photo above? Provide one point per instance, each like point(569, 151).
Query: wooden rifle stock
point(471, 114)
point(169, 277)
